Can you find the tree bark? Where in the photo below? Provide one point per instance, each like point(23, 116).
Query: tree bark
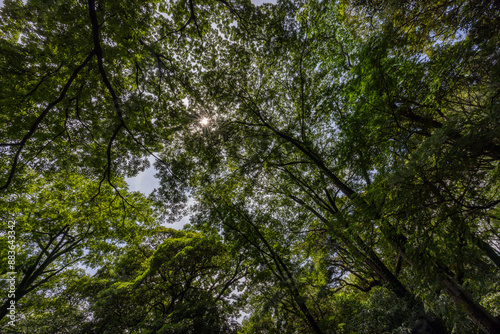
point(487, 249)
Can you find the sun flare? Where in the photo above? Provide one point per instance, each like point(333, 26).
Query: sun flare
point(204, 121)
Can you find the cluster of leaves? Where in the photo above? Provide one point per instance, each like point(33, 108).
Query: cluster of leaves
point(342, 158)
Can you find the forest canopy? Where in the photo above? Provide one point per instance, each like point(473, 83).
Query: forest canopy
point(338, 162)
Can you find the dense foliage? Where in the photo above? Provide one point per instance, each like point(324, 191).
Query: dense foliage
point(338, 160)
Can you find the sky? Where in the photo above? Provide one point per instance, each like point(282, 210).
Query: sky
point(145, 182)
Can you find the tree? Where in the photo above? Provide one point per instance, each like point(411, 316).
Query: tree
point(348, 150)
point(274, 114)
point(63, 222)
point(181, 285)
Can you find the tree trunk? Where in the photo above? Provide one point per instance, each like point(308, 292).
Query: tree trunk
point(478, 314)
point(487, 249)
point(430, 323)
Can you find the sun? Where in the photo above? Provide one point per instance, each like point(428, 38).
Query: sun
point(204, 121)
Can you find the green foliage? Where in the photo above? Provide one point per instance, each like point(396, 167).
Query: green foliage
point(181, 287)
point(339, 161)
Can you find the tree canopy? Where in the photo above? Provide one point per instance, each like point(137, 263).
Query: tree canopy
point(338, 160)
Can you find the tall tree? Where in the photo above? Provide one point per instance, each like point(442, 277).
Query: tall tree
point(348, 150)
point(289, 109)
point(63, 222)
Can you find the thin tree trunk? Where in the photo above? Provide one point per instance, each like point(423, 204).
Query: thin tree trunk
point(487, 249)
point(480, 316)
point(284, 273)
point(432, 324)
